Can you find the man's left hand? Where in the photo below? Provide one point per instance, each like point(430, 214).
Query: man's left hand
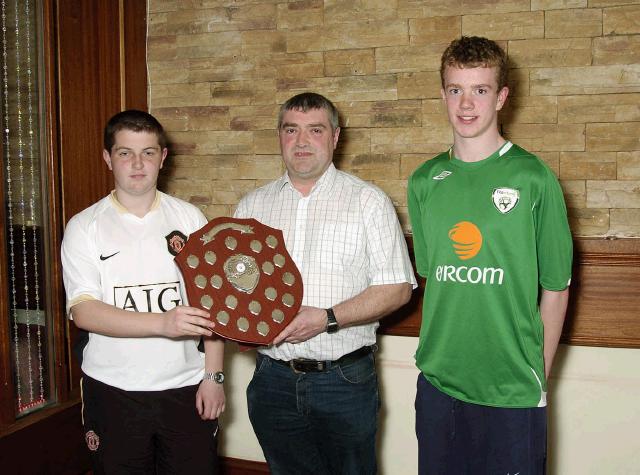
point(309, 322)
point(210, 400)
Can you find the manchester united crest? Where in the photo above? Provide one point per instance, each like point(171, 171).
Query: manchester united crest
point(92, 440)
point(505, 199)
point(239, 271)
point(175, 242)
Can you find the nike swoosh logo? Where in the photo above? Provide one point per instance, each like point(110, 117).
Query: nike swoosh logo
point(104, 258)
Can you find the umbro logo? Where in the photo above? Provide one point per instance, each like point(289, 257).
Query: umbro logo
point(442, 175)
point(104, 258)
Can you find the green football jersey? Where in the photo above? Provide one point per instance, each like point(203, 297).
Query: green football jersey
point(486, 236)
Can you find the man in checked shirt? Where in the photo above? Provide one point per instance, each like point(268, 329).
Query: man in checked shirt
point(313, 400)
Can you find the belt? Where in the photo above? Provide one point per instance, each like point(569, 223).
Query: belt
point(303, 365)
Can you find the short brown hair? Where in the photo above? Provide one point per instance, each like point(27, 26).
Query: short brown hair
point(473, 52)
point(135, 121)
point(310, 100)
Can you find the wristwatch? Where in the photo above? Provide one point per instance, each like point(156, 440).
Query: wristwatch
point(217, 376)
point(332, 323)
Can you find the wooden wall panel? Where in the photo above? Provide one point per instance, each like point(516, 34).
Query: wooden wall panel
point(604, 305)
point(89, 93)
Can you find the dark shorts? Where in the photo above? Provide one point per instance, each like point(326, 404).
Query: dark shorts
point(464, 438)
point(140, 432)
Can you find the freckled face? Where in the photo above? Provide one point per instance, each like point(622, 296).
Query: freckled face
point(135, 159)
point(307, 143)
point(473, 101)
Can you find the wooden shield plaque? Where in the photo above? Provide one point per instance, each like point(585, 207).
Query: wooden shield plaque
point(239, 271)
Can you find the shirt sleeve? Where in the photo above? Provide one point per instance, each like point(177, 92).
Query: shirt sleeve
point(417, 229)
point(553, 237)
point(389, 261)
point(80, 271)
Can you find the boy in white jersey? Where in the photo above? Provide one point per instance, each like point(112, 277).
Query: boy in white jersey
point(150, 398)
point(492, 240)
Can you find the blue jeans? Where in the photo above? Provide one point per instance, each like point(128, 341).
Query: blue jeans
point(316, 423)
point(464, 438)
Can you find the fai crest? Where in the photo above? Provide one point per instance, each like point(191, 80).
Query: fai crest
point(175, 242)
point(505, 199)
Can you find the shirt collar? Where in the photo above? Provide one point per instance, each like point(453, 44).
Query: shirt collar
point(120, 207)
point(324, 182)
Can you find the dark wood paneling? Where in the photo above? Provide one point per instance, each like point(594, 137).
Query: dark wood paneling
point(135, 59)
point(90, 93)
point(52, 445)
point(604, 297)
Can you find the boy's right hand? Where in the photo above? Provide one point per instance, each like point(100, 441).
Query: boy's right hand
point(186, 321)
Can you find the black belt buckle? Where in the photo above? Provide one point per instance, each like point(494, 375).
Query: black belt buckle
point(301, 366)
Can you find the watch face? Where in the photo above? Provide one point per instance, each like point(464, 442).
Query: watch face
point(219, 377)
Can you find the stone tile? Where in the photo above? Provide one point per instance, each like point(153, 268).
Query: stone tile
point(381, 113)
point(628, 165)
point(354, 141)
point(616, 50)
point(433, 8)
point(625, 222)
point(366, 34)
point(585, 80)
point(260, 167)
point(342, 89)
point(518, 82)
point(411, 140)
point(530, 110)
point(573, 23)
point(557, 4)
point(298, 14)
point(347, 11)
point(193, 118)
point(261, 117)
point(548, 53)
point(212, 142)
point(208, 45)
point(157, 6)
point(371, 167)
point(243, 92)
point(266, 142)
point(613, 194)
point(588, 165)
point(161, 48)
point(575, 193)
point(599, 108)
point(588, 222)
point(546, 137)
point(209, 20)
point(409, 58)
point(419, 85)
point(351, 62)
point(179, 95)
point(427, 31)
point(505, 26)
point(610, 3)
point(623, 20)
point(494, 6)
point(613, 137)
point(168, 72)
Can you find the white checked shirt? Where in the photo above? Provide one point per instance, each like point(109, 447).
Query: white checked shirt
point(344, 237)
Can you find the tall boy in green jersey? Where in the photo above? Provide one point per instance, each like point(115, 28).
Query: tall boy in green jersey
point(491, 238)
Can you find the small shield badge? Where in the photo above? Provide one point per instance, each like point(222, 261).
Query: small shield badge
point(175, 242)
point(505, 199)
